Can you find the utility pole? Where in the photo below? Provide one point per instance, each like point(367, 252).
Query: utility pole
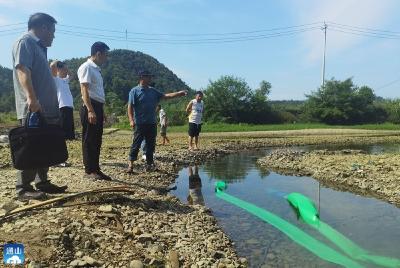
point(323, 63)
point(322, 87)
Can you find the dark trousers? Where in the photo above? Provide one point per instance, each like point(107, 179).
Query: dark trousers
point(92, 137)
point(26, 177)
point(148, 132)
point(67, 122)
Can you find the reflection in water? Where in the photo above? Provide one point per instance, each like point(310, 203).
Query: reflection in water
point(230, 168)
point(195, 196)
point(370, 223)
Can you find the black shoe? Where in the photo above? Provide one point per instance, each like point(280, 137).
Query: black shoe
point(104, 176)
point(50, 188)
point(150, 167)
point(93, 176)
point(31, 195)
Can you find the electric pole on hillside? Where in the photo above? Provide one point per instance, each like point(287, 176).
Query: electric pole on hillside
point(323, 62)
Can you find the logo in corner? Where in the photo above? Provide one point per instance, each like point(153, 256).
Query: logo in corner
point(13, 254)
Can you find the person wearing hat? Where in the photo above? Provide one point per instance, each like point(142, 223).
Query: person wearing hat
point(142, 104)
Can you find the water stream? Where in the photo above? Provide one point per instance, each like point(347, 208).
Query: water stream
point(370, 223)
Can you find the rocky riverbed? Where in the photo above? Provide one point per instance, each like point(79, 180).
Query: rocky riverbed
point(148, 227)
point(350, 170)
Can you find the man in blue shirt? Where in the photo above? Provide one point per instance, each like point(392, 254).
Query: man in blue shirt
point(142, 104)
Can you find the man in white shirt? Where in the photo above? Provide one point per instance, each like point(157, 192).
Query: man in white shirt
point(65, 100)
point(92, 112)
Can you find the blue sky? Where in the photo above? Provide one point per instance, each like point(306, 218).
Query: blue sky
point(292, 64)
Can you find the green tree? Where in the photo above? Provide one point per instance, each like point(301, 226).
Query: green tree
point(114, 104)
point(259, 110)
point(230, 99)
point(226, 98)
point(392, 108)
point(341, 102)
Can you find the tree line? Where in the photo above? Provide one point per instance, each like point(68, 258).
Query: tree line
point(228, 99)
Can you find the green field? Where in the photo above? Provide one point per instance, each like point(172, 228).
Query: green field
point(222, 127)
point(8, 119)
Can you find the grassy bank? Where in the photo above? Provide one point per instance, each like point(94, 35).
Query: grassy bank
point(222, 127)
point(8, 119)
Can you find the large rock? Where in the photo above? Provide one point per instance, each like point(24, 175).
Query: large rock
point(136, 264)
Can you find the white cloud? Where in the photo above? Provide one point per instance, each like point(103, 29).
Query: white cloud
point(361, 13)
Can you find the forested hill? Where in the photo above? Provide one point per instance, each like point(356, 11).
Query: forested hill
point(6, 90)
point(119, 73)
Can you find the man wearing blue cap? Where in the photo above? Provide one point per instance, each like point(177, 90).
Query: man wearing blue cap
point(142, 104)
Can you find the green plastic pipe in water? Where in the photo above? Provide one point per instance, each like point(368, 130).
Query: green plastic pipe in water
point(297, 235)
point(308, 213)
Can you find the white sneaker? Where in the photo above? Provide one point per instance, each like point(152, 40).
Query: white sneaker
point(144, 157)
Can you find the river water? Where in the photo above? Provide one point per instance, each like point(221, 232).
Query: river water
point(371, 224)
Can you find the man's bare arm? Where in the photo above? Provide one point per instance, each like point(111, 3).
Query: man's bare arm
point(25, 79)
point(86, 100)
point(189, 107)
point(131, 114)
point(175, 94)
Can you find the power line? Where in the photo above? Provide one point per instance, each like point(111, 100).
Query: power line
point(13, 33)
point(185, 41)
point(338, 27)
point(190, 34)
point(11, 30)
point(364, 34)
point(389, 84)
point(363, 28)
point(14, 24)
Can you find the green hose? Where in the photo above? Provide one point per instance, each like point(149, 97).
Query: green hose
point(318, 248)
point(309, 214)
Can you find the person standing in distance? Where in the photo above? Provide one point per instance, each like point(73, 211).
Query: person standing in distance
point(35, 91)
point(92, 111)
point(163, 125)
point(195, 108)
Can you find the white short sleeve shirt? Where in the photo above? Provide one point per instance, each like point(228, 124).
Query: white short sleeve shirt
point(64, 95)
point(90, 73)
